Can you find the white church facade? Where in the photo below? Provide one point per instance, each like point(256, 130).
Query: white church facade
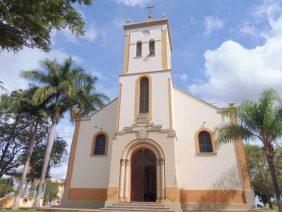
point(154, 142)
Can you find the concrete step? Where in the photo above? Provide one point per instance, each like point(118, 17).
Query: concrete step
point(139, 205)
point(136, 206)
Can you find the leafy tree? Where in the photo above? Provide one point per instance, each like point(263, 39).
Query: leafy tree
point(6, 187)
point(51, 191)
point(262, 121)
point(57, 156)
point(62, 87)
point(22, 125)
point(30, 23)
point(14, 128)
point(259, 174)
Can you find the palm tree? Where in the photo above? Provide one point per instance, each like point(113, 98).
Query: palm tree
point(38, 113)
point(2, 86)
point(260, 121)
point(62, 86)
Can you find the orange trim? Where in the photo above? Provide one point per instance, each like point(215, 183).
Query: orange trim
point(213, 196)
point(99, 194)
point(172, 194)
point(170, 106)
point(241, 158)
point(118, 107)
point(126, 53)
point(72, 154)
point(164, 49)
point(197, 144)
point(243, 164)
point(94, 143)
point(112, 193)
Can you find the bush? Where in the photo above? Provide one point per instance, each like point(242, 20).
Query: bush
point(6, 187)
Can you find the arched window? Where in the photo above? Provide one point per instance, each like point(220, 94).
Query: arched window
point(100, 144)
point(139, 49)
point(205, 141)
point(152, 47)
point(144, 95)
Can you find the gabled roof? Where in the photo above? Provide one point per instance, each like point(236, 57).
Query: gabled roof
point(97, 111)
point(196, 98)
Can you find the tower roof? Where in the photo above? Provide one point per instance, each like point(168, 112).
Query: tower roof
point(148, 23)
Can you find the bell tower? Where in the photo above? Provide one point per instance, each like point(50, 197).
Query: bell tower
point(145, 84)
point(147, 46)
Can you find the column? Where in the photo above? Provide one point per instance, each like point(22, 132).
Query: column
point(121, 178)
point(127, 180)
point(158, 180)
point(162, 173)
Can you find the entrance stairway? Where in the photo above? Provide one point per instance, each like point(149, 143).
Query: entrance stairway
point(136, 206)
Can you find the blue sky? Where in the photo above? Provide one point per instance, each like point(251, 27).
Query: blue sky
point(223, 50)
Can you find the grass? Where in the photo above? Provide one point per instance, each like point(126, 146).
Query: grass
point(19, 210)
point(268, 210)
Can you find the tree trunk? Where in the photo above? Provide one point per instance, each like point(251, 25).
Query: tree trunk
point(51, 138)
point(270, 203)
point(269, 157)
point(26, 165)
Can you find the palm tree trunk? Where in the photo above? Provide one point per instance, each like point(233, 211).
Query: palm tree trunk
point(51, 138)
point(269, 157)
point(26, 165)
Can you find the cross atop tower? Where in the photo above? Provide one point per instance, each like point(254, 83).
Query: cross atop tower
point(149, 8)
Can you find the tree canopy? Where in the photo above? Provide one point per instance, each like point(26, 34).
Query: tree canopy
point(16, 123)
point(30, 23)
point(259, 174)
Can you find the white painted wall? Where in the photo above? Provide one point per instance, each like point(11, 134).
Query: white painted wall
point(93, 171)
point(160, 103)
point(146, 63)
point(218, 171)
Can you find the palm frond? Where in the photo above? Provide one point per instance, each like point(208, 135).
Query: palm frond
point(2, 86)
point(42, 94)
point(64, 85)
point(35, 75)
point(231, 132)
point(276, 126)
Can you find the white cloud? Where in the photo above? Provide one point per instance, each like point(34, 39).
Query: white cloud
point(249, 30)
point(13, 63)
point(182, 77)
point(132, 2)
point(91, 34)
point(212, 23)
point(234, 72)
point(99, 75)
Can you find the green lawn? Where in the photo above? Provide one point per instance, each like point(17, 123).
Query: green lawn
point(18, 210)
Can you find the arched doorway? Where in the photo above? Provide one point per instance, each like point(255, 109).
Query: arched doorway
point(125, 168)
point(143, 176)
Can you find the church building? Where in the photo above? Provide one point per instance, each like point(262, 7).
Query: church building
point(154, 142)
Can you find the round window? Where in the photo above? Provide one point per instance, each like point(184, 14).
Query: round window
point(145, 32)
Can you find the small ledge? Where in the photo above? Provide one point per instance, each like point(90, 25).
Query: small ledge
point(205, 154)
point(151, 55)
point(99, 156)
point(137, 57)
